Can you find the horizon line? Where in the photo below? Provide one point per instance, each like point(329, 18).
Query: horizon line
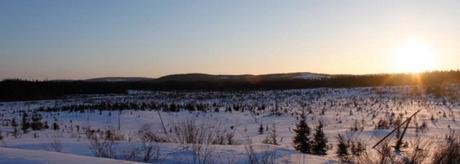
point(218, 74)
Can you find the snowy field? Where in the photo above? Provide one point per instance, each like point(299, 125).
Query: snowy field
point(217, 127)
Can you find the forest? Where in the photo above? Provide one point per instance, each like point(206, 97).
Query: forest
point(17, 89)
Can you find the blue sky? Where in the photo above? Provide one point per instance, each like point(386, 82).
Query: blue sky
point(64, 39)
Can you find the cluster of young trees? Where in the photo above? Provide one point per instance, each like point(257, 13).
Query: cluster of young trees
point(32, 122)
point(346, 148)
point(304, 143)
point(167, 107)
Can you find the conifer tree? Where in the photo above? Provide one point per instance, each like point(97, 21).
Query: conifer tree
point(261, 129)
point(319, 144)
point(55, 126)
point(301, 139)
point(25, 122)
point(342, 147)
point(14, 124)
point(36, 121)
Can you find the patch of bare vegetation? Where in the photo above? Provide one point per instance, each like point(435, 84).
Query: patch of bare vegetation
point(449, 151)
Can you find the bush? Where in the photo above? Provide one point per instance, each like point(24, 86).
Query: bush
point(267, 156)
point(147, 135)
point(272, 136)
point(199, 138)
point(191, 132)
point(449, 151)
point(101, 146)
point(147, 150)
point(382, 124)
point(55, 144)
point(417, 153)
point(383, 156)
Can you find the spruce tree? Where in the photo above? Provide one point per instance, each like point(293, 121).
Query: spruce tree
point(36, 121)
point(319, 145)
point(342, 147)
point(261, 129)
point(14, 124)
point(301, 139)
point(25, 122)
point(55, 126)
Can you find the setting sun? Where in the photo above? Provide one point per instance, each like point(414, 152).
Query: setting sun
point(414, 56)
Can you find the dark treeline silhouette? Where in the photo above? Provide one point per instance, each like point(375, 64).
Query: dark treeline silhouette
point(12, 90)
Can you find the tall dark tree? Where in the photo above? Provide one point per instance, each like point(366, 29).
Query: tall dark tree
point(25, 125)
point(319, 144)
point(301, 139)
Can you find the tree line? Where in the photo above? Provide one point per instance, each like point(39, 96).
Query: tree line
point(14, 90)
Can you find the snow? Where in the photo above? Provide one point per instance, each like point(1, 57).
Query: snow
point(311, 76)
point(22, 156)
point(338, 109)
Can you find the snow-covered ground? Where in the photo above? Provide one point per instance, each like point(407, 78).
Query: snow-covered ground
point(235, 114)
point(22, 156)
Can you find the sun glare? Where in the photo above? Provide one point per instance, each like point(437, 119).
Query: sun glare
point(414, 56)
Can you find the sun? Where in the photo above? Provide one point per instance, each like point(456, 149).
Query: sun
point(414, 56)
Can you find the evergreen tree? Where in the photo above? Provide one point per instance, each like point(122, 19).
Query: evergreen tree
point(14, 124)
point(301, 139)
point(25, 122)
point(55, 126)
point(357, 147)
point(342, 147)
point(36, 121)
point(319, 145)
point(274, 135)
point(261, 129)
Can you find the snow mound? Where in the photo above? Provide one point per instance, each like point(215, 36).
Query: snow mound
point(21, 156)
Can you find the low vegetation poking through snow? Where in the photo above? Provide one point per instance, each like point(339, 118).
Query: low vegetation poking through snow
point(275, 126)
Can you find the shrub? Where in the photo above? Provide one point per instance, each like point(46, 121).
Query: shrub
point(191, 132)
point(272, 136)
point(101, 146)
point(266, 156)
point(449, 151)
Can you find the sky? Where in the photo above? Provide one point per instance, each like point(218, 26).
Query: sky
point(68, 39)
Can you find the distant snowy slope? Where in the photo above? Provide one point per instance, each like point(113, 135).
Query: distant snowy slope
point(195, 77)
point(297, 75)
point(311, 76)
point(20, 156)
point(119, 79)
point(267, 77)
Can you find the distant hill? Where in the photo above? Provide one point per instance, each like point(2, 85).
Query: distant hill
point(13, 90)
point(200, 77)
point(119, 79)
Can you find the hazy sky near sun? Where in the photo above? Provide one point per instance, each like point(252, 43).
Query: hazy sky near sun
point(66, 39)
